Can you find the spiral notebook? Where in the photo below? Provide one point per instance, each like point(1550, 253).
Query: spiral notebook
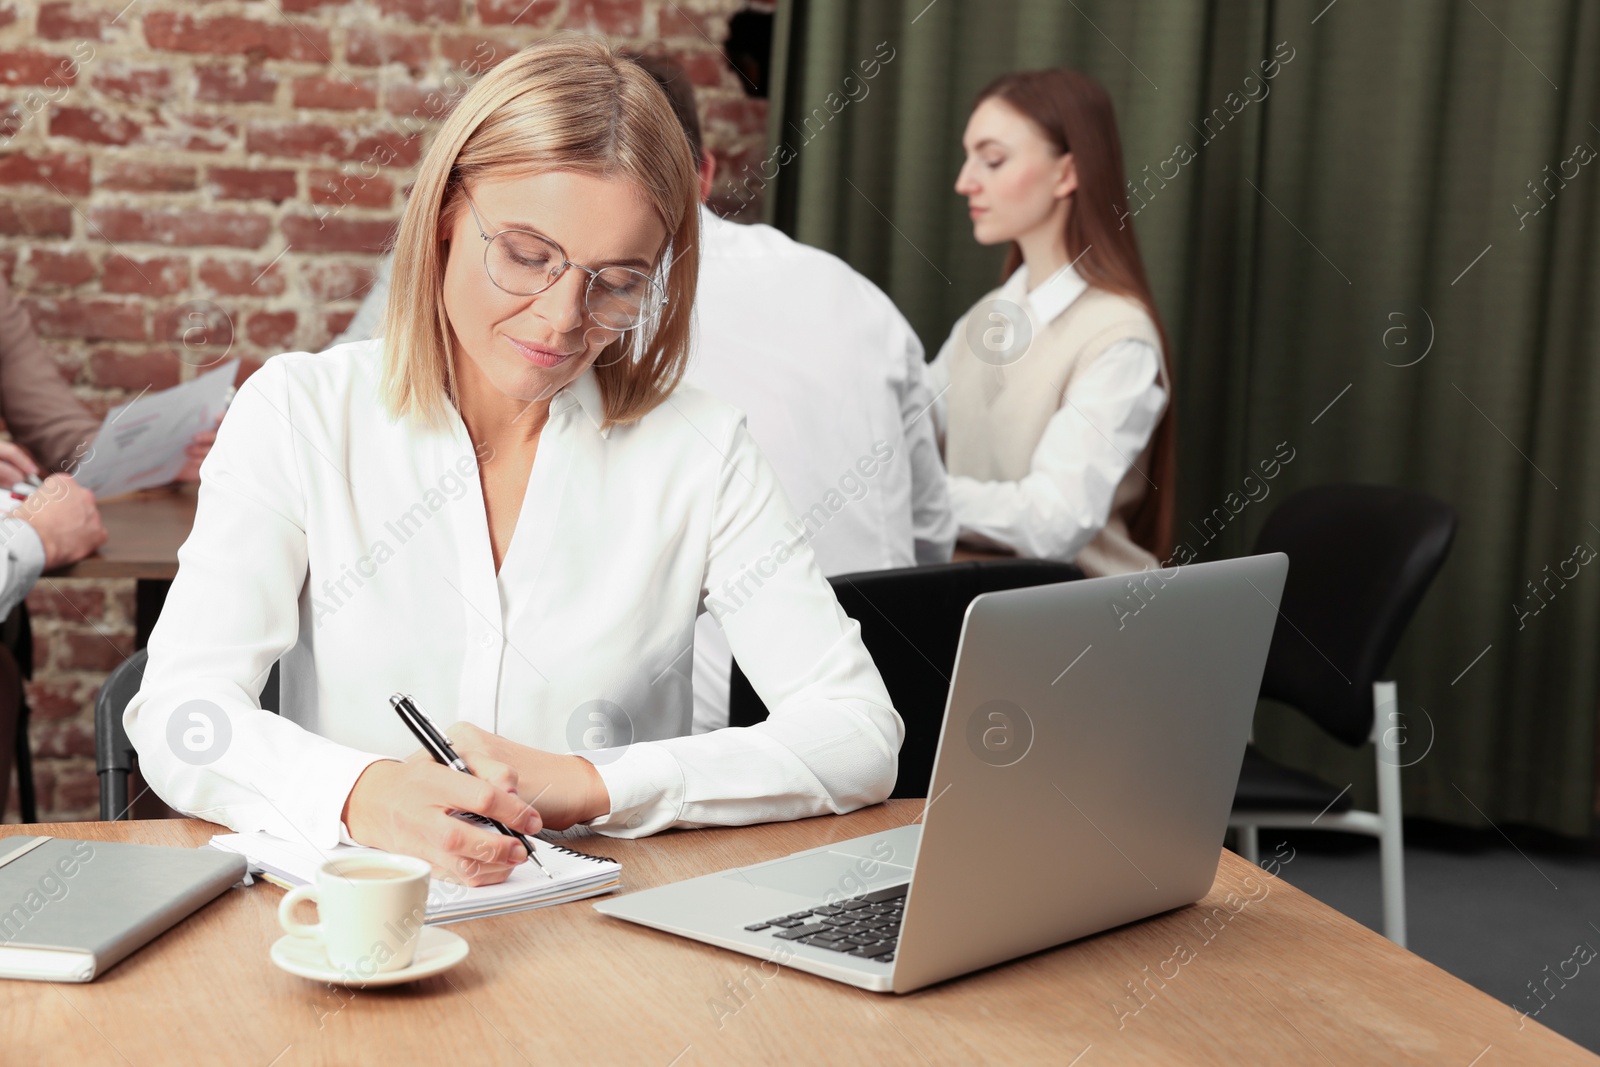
point(573, 875)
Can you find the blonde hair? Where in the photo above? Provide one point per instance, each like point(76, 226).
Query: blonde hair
point(570, 103)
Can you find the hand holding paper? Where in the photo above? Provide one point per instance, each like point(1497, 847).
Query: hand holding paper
point(145, 442)
point(196, 451)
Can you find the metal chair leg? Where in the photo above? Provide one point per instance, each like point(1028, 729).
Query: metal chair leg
point(114, 795)
point(1388, 740)
point(1249, 843)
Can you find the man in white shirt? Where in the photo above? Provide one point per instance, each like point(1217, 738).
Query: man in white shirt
point(833, 383)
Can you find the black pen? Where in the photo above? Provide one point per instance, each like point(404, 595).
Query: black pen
point(439, 748)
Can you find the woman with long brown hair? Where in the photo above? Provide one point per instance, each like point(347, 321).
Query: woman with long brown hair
point(1057, 420)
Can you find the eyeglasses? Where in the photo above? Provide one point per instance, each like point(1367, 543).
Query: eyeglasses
point(525, 263)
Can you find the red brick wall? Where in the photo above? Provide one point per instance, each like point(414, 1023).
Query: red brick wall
point(180, 179)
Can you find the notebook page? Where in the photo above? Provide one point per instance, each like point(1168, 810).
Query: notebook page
point(297, 862)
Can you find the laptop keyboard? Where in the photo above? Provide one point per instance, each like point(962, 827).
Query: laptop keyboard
point(867, 926)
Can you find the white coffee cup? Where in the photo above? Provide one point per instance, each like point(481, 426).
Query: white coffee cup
point(370, 910)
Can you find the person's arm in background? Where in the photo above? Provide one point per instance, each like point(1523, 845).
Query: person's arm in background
point(57, 525)
point(1088, 447)
point(22, 560)
point(369, 316)
point(35, 400)
point(933, 522)
point(40, 410)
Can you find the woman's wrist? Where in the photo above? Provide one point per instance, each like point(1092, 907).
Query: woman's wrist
point(598, 798)
point(371, 778)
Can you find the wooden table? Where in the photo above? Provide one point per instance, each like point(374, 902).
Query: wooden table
point(1286, 981)
point(144, 530)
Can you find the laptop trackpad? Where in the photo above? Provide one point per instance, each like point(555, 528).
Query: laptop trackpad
point(818, 874)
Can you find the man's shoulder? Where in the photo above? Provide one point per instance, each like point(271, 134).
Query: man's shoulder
point(739, 240)
point(732, 242)
point(724, 238)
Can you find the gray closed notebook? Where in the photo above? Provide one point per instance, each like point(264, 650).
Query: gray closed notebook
point(70, 909)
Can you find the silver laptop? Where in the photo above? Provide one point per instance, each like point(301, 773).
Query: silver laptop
point(1091, 745)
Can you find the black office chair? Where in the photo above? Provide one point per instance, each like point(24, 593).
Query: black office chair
point(911, 623)
point(114, 755)
point(1360, 559)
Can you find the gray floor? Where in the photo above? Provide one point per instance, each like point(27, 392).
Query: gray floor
point(1480, 909)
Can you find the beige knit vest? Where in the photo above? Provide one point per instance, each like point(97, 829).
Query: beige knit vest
point(999, 404)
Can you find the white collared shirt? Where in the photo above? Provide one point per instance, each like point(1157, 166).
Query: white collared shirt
point(834, 385)
point(1088, 446)
point(357, 550)
point(21, 562)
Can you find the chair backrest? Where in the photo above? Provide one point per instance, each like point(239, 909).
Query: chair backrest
point(112, 749)
point(1360, 559)
point(911, 624)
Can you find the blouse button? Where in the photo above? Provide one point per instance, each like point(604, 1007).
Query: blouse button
point(487, 640)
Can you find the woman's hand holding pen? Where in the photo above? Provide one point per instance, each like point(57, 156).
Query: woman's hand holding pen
point(567, 789)
point(405, 807)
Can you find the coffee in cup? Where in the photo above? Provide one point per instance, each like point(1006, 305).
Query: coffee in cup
point(370, 912)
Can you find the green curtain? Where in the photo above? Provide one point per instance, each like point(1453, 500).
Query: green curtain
point(1385, 255)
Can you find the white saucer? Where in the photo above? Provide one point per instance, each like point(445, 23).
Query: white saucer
point(437, 951)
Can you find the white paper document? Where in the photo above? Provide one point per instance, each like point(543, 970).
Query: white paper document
point(141, 443)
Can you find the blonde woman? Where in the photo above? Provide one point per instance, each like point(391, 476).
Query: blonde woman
point(508, 508)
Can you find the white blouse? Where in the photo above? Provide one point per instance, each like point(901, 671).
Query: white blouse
point(1087, 447)
point(357, 550)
